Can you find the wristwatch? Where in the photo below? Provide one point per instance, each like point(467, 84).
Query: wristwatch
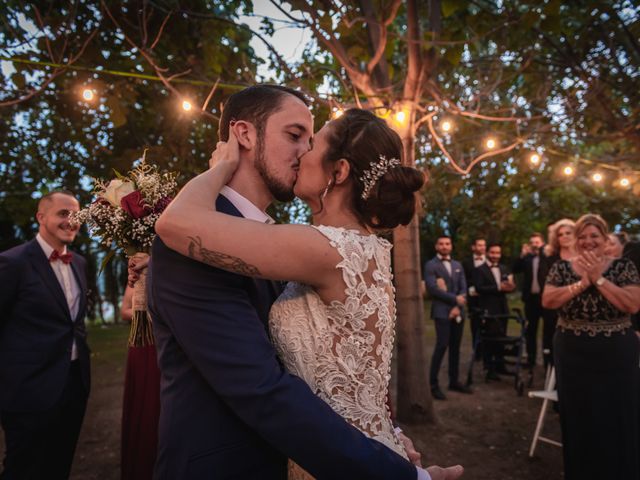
point(600, 281)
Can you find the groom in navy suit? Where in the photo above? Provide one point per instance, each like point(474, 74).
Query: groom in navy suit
point(44, 357)
point(445, 281)
point(228, 408)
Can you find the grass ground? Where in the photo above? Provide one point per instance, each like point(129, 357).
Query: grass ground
point(488, 432)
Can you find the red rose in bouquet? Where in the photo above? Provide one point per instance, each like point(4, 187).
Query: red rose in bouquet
point(134, 205)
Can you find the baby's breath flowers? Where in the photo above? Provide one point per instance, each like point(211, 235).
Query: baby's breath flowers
point(126, 208)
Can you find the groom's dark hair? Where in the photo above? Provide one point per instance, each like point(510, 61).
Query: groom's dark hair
point(254, 104)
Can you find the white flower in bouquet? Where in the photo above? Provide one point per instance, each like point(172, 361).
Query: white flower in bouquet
point(116, 190)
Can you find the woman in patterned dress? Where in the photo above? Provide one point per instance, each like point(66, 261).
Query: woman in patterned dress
point(596, 356)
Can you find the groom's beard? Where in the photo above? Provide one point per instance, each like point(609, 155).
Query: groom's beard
point(279, 190)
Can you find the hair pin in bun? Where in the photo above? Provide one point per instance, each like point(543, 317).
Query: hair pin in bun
point(375, 171)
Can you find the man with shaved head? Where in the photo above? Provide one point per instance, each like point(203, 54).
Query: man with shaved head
point(44, 357)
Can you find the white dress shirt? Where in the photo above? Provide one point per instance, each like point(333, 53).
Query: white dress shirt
point(535, 265)
point(496, 274)
point(244, 206)
point(68, 283)
point(446, 262)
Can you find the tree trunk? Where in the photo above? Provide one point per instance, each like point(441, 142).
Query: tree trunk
point(414, 400)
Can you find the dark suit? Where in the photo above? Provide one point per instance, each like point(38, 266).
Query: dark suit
point(472, 300)
point(43, 394)
point(532, 300)
point(228, 409)
point(494, 302)
point(448, 332)
point(490, 298)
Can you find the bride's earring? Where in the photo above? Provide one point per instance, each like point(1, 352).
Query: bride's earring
point(326, 190)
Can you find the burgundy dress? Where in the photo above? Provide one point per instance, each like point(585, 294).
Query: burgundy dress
point(140, 413)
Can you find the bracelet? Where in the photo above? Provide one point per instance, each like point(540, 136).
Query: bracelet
point(576, 288)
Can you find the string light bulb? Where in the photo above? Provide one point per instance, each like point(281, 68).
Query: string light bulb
point(87, 94)
point(400, 116)
point(597, 177)
point(568, 170)
point(337, 113)
point(534, 159)
point(186, 105)
point(490, 143)
point(625, 182)
point(446, 126)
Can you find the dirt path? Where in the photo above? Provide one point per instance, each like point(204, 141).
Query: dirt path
point(488, 432)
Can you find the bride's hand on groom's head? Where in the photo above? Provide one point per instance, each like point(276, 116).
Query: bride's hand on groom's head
point(227, 154)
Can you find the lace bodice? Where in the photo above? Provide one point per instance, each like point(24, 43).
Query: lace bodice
point(343, 350)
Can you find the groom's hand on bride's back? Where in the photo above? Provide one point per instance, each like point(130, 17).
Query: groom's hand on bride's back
point(449, 473)
point(410, 450)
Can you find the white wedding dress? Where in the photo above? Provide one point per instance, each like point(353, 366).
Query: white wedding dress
point(343, 350)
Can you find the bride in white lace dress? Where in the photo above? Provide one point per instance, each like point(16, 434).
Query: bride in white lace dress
point(333, 326)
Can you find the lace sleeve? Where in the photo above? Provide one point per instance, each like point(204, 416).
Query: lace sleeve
point(625, 273)
point(556, 276)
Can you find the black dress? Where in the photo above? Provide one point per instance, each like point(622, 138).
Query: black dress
point(549, 316)
point(596, 357)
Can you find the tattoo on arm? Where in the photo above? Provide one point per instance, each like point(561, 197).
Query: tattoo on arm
point(220, 260)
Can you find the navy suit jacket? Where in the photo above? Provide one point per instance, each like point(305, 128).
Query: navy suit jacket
point(228, 408)
point(491, 299)
point(443, 301)
point(37, 331)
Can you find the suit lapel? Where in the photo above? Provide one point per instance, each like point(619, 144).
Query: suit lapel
point(43, 267)
point(445, 272)
point(488, 271)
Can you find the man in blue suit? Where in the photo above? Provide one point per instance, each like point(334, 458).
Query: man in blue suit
point(445, 281)
point(228, 408)
point(44, 357)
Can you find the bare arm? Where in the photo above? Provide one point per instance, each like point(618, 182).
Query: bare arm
point(625, 299)
point(191, 226)
point(554, 297)
point(126, 310)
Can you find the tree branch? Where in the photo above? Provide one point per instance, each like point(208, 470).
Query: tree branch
point(160, 31)
point(147, 56)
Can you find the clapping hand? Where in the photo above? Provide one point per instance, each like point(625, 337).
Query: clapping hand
point(592, 265)
point(507, 286)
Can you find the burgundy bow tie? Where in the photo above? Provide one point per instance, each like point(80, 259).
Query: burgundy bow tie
point(65, 257)
point(446, 259)
point(478, 258)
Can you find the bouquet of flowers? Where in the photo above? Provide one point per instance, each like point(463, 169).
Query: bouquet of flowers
point(124, 215)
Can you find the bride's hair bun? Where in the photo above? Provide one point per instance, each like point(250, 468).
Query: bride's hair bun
point(364, 140)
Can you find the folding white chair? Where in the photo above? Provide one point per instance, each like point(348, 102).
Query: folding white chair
point(549, 394)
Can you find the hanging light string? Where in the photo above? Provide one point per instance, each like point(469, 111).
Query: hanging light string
point(446, 125)
point(140, 76)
